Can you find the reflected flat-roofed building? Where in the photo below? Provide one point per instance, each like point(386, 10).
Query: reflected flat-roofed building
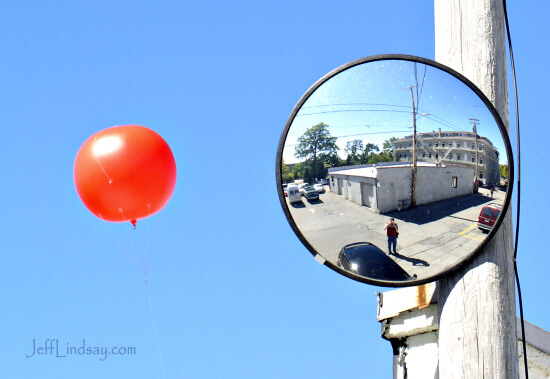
point(452, 147)
point(388, 187)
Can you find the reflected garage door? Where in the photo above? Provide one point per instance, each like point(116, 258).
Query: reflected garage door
point(367, 194)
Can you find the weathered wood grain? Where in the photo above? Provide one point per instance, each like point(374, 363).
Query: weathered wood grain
point(477, 326)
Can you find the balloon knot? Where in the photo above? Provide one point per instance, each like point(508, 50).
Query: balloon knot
point(134, 223)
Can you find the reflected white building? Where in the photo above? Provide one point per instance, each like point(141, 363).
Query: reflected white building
point(452, 147)
point(388, 187)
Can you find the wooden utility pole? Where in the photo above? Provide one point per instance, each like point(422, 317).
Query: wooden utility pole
point(476, 175)
point(415, 166)
point(477, 326)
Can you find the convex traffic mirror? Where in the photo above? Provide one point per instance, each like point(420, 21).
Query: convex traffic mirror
point(394, 170)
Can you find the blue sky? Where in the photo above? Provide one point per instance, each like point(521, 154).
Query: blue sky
point(233, 292)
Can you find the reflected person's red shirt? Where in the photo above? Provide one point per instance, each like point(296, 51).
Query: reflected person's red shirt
point(391, 230)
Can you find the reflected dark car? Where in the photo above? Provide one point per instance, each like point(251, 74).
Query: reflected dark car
point(488, 216)
point(311, 193)
point(365, 259)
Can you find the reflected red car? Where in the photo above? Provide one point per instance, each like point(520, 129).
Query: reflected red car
point(488, 216)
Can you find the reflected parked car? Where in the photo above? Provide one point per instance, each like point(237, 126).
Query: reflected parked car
point(488, 216)
point(366, 259)
point(311, 193)
point(293, 194)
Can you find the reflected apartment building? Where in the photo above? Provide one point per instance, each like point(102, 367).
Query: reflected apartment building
point(452, 148)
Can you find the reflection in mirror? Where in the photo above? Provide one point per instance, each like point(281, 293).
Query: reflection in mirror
point(394, 170)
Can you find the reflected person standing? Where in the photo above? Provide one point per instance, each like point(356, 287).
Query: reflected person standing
point(392, 231)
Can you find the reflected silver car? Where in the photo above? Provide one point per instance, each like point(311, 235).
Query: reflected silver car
point(319, 187)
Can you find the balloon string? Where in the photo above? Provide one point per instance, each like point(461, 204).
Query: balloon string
point(146, 255)
point(133, 257)
point(140, 264)
point(156, 331)
point(148, 241)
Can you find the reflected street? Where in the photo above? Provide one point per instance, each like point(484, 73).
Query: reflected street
point(432, 237)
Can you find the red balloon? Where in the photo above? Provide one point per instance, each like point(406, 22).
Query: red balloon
point(125, 173)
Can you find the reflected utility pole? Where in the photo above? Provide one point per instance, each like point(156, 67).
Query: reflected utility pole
point(414, 173)
point(474, 128)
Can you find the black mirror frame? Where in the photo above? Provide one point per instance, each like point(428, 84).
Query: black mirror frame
point(381, 57)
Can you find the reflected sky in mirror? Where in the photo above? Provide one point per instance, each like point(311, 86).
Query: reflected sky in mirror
point(356, 131)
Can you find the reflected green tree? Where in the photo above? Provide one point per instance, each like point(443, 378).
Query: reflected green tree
point(287, 174)
point(298, 171)
point(354, 152)
point(379, 158)
point(503, 170)
point(387, 148)
point(318, 149)
point(368, 152)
